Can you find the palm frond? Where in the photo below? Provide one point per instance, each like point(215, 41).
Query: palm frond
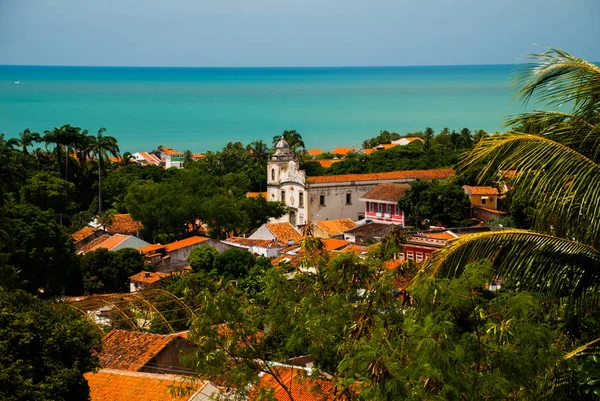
point(585, 349)
point(556, 78)
point(565, 183)
point(526, 260)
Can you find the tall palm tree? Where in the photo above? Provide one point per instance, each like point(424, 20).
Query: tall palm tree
point(64, 139)
point(28, 138)
point(102, 147)
point(293, 138)
point(259, 149)
point(555, 157)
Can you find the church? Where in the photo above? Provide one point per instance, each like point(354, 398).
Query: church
point(310, 199)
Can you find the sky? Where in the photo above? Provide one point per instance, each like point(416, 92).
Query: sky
point(252, 33)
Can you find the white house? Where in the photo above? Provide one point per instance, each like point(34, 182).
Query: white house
point(145, 159)
point(406, 141)
point(171, 158)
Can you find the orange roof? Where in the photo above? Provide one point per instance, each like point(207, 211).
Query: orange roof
point(327, 163)
point(481, 190)
point(342, 151)
point(388, 192)
point(197, 155)
point(149, 277)
point(150, 158)
point(356, 249)
point(115, 159)
point(150, 248)
point(299, 383)
point(263, 243)
point(256, 194)
point(442, 235)
point(335, 227)
point(414, 138)
point(294, 260)
point(84, 233)
point(123, 224)
point(184, 243)
point(392, 175)
point(368, 151)
point(284, 232)
point(131, 350)
point(171, 151)
point(335, 244)
point(109, 243)
point(388, 145)
point(315, 152)
point(118, 385)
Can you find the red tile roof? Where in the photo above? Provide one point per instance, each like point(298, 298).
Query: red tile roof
point(198, 155)
point(315, 152)
point(299, 383)
point(386, 192)
point(481, 190)
point(123, 224)
point(335, 244)
point(342, 151)
point(84, 233)
point(442, 235)
point(151, 248)
point(392, 175)
point(185, 243)
point(368, 151)
point(284, 232)
point(387, 145)
point(110, 242)
point(392, 264)
point(118, 385)
point(131, 350)
point(256, 194)
point(94, 244)
point(150, 158)
point(335, 227)
point(149, 277)
point(262, 243)
point(327, 163)
point(171, 151)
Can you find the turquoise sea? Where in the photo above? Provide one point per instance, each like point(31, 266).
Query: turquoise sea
point(204, 108)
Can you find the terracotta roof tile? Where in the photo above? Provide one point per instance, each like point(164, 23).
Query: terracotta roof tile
point(93, 244)
point(315, 152)
point(294, 260)
point(481, 190)
point(335, 227)
point(110, 242)
point(391, 264)
point(198, 155)
point(84, 233)
point(442, 235)
point(335, 244)
point(343, 151)
point(392, 175)
point(356, 249)
point(131, 350)
point(367, 228)
point(327, 163)
point(284, 232)
point(123, 224)
point(150, 158)
point(387, 145)
point(263, 243)
point(386, 192)
point(149, 277)
point(256, 194)
point(151, 248)
point(302, 386)
point(368, 151)
point(118, 385)
point(184, 243)
point(171, 151)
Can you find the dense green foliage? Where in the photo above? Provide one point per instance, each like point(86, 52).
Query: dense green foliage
point(45, 349)
point(106, 272)
point(435, 202)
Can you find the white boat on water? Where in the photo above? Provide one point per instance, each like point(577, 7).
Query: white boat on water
point(17, 82)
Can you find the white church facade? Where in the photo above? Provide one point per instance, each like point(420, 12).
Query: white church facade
point(310, 199)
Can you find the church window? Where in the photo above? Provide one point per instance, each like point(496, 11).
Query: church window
point(300, 199)
point(272, 174)
point(283, 196)
point(348, 199)
point(322, 200)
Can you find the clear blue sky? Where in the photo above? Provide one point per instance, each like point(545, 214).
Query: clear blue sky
point(292, 32)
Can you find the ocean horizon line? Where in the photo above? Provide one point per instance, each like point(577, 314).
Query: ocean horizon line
point(264, 67)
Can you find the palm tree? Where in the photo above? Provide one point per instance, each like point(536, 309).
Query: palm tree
point(126, 158)
point(63, 139)
point(27, 138)
point(293, 138)
point(259, 149)
point(102, 147)
point(555, 157)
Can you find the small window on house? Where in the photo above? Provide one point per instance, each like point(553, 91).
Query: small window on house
point(272, 174)
point(410, 255)
point(389, 209)
point(348, 199)
point(322, 200)
point(379, 208)
point(483, 201)
point(397, 210)
point(419, 256)
point(300, 199)
point(283, 196)
point(371, 207)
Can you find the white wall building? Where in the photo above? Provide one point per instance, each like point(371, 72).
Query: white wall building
point(327, 197)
